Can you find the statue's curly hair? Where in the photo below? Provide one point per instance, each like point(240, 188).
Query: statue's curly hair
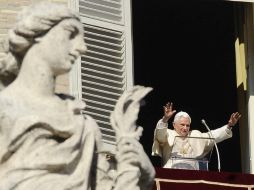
point(32, 22)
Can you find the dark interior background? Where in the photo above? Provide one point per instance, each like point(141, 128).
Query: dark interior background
point(185, 52)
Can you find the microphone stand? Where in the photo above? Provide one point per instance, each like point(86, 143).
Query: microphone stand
point(215, 144)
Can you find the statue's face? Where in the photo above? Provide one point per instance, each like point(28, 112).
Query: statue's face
point(182, 126)
point(62, 45)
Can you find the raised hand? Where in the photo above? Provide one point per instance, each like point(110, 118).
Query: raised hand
point(168, 111)
point(234, 119)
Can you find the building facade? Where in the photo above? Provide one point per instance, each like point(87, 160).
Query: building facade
point(106, 71)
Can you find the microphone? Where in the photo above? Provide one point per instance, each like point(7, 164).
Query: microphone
point(215, 144)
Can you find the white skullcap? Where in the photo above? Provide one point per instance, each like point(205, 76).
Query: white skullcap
point(181, 114)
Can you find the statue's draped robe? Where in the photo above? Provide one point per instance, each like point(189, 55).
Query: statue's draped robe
point(41, 152)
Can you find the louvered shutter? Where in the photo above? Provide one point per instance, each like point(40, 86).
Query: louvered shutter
point(105, 71)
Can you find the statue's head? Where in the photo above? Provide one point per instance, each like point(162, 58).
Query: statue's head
point(33, 23)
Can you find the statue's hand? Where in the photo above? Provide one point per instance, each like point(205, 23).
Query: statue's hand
point(123, 118)
point(130, 154)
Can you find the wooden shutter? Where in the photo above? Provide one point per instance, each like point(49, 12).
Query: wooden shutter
point(105, 71)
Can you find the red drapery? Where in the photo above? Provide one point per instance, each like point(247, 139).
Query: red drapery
point(176, 179)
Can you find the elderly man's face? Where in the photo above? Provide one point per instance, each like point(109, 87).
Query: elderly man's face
point(182, 126)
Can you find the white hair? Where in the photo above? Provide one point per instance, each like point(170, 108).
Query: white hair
point(181, 114)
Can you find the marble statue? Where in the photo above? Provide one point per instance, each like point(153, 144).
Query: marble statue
point(46, 143)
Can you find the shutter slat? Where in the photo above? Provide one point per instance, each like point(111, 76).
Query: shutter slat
point(114, 7)
point(102, 61)
point(100, 11)
point(109, 142)
point(93, 114)
point(103, 86)
point(111, 32)
point(101, 91)
point(100, 14)
point(103, 49)
point(100, 67)
point(101, 104)
point(99, 73)
point(116, 36)
point(108, 136)
point(101, 97)
point(102, 81)
point(108, 11)
point(107, 44)
point(106, 2)
point(106, 56)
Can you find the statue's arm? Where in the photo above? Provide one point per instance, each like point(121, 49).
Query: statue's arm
point(134, 169)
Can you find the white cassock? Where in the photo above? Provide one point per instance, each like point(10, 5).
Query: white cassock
point(197, 147)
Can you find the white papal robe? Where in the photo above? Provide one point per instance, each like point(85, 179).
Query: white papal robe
point(164, 140)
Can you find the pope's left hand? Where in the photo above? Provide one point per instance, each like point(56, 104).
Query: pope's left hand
point(234, 119)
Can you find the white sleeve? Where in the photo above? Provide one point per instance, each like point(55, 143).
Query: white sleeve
point(222, 133)
point(160, 132)
point(160, 137)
